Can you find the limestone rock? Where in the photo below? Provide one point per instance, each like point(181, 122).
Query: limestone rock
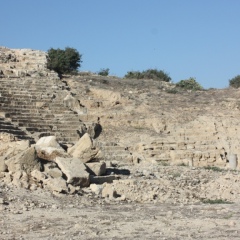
point(52, 169)
point(96, 168)
point(20, 179)
point(72, 189)
point(85, 150)
point(6, 137)
point(96, 188)
point(10, 148)
point(72, 103)
point(25, 161)
point(49, 141)
point(3, 166)
point(48, 148)
point(108, 191)
point(75, 171)
point(56, 185)
point(39, 176)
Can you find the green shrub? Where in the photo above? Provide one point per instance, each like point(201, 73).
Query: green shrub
point(133, 74)
point(189, 84)
point(214, 168)
point(64, 61)
point(215, 201)
point(149, 74)
point(235, 82)
point(104, 72)
point(172, 91)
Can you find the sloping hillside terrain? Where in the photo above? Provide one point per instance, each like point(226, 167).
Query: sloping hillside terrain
point(130, 159)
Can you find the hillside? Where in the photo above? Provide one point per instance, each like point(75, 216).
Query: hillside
point(86, 146)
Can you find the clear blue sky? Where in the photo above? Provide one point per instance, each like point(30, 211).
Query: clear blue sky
point(185, 38)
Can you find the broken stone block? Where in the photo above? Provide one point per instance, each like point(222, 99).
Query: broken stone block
point(96, 168)
point(52, 169)
point(39, 176)
point(48, 148)
point(96, 188)
point(75, 171)
point(85, 150)
point(56, 185)
point(109, 192)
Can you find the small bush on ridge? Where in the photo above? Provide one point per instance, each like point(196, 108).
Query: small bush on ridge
point(189, 84)
point(104, 72)
point(149, 74)
point(235, 82)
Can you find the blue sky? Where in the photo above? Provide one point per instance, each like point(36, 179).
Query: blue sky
point(185, 38)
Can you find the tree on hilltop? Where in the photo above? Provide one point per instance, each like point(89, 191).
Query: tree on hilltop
point(64, 61)
point(235, 82)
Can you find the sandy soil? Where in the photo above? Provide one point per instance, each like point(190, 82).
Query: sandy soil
point(42, 215)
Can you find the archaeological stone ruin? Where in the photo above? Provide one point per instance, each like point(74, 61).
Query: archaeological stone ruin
point(99, 133)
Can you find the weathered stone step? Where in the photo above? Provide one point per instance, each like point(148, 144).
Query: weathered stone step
point(20, 105)
point(7, 126)
point(114, 148)
point(115, 157)
point(36, 129)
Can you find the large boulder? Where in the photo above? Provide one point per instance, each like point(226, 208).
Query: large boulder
point(48, 148)
point(74, 170)
point(26, 161)
point(85, 150)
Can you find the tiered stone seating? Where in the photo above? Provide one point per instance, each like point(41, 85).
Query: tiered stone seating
point(8, 127)
point(36, 106)
point(112, 152)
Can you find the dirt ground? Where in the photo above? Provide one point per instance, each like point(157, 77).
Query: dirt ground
point(42, 215)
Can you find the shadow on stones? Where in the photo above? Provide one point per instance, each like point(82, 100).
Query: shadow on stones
point(110, 171)
point(98, 130)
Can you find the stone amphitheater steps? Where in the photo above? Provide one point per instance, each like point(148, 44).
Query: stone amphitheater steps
point(8, 127)
point(182, 151)
point(33, 106)
point(114, 153)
